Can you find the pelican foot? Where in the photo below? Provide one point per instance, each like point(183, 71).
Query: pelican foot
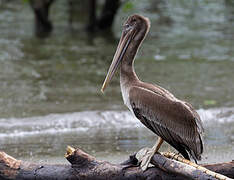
point(144, 157)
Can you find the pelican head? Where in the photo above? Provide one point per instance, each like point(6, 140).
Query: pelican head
point(134, 31)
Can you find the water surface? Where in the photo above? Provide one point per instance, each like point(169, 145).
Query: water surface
point(50, 88)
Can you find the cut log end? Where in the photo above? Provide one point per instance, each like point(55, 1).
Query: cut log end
point(9, 161)
point(79, 158)
point(9, 166)
point(70, 151)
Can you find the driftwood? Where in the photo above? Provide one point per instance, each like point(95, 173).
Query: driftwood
point(85, 166)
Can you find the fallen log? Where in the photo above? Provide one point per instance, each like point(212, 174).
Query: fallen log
point(85, 166)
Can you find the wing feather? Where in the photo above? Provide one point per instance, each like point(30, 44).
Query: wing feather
point(171, 119)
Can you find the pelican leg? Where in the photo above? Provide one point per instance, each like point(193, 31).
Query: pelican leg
point(158, 144)
point(144, 155)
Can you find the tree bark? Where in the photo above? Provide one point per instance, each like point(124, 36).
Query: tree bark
point(85, 166)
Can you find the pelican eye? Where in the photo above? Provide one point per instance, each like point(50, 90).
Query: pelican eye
point(127, 27)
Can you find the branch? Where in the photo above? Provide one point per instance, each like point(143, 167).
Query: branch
point(85, 166)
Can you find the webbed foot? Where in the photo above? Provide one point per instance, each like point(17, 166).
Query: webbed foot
point(144, 156)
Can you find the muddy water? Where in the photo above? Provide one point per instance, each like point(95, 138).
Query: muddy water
point(50, 88)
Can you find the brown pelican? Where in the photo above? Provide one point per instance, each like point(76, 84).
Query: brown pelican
point(173, 120)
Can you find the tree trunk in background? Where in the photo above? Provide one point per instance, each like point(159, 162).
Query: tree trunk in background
point(108, 13)
point(43, 25)
point(92, 16)
point(106, 19)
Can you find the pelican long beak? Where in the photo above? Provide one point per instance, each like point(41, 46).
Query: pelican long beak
point(119, 54)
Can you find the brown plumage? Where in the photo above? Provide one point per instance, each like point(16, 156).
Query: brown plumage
point(173, 120)
point(170, 119)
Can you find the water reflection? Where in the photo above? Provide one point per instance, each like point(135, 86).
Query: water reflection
point(58, 73)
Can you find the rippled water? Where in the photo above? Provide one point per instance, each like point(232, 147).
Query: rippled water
point(105, 132)
point(50, 88)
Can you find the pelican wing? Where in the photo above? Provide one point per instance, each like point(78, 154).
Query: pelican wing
point(171, 119)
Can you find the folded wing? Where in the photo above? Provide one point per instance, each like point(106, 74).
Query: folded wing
point(173, 120)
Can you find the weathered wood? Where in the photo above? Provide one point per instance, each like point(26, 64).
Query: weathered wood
point(85, 166)
point(192, 170)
